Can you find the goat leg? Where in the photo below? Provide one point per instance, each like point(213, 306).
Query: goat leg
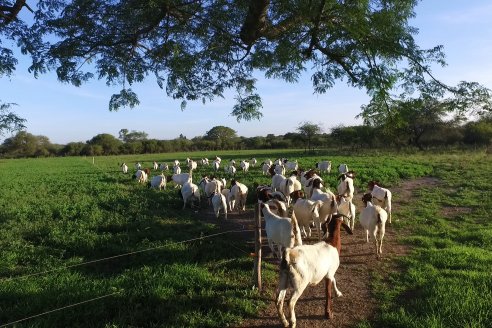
point(328, 307)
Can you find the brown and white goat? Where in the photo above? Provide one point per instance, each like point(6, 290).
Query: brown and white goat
point(373, 220)
point(309, 264)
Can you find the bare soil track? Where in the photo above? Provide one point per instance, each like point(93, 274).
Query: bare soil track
point(357, 264)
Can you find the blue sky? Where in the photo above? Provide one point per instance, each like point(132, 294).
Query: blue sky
point(65, 113)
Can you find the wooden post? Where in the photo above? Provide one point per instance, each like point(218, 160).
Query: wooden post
point(257, 265)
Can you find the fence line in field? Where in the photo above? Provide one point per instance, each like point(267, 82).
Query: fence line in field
point(58, 309)
point(101, 260)
point(121, 255)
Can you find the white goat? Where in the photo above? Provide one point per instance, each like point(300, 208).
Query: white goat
point(180, 179)
point(231, 203)
point(124, 168)
point(308, 265)
point(209, 187)
point(279, 169)
point(265, 168)
point(381, 196)
point(347, 208)
point(346, 186)
point(287, 186)
point(253, 162)
point(239, 192)
point(291, 165)
point(190, 194)
point(141, 176)
point(158, 182)
point(192, 165)
point(343, 168)
point(155, 165)
point(324, 166)
point(138, 166)
point(231, 169)
point(283, 231)
point(277, 180)
point(373, 220)
point(244, 166)
point(176, 169)
point(204, 161)
point(216, 165)
point(219, 203)
point(307, 211)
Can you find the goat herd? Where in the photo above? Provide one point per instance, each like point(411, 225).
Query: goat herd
point(300, 265)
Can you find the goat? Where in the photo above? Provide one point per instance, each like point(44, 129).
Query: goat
point(141, 176)
point(265, 168)
point(287, 186)
point(308, 185)
point(164, 167)
point(308, 265)
point(343, 168)
point(324, 166)
point(204, 161)
point(244, 166)
point(307, 211)
point(158, 182)
point(291, 165)
point(124, 168)
point(216, 165)
point(253, 162)
point(282, 231)
point(346, 186)
point(192, 165)
point(277, 180)
point(240, 193)
point(138, 166)
point(347, 208)
point(219, 203)
point(382, 195)
point(180, 179)
point(209, 187)
point(176, 169)
point(190, 194)
point(155, 166)
point(373, 220)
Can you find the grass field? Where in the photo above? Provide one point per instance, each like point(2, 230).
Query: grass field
point(57, 214)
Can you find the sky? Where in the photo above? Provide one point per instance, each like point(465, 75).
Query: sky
point(65, 113)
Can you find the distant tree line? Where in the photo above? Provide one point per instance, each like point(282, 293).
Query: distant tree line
point(420, 135)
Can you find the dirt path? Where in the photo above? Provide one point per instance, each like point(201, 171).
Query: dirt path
point(358, 262)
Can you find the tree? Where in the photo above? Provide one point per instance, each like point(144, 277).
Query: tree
point(412, 117)
point(308, 131)
point(25, 144)
point(131, 136)
point(197, 50)
point(104, 144)
point(9, 121)
point(221, 135)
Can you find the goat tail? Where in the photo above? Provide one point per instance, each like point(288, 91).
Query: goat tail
point(295, 230)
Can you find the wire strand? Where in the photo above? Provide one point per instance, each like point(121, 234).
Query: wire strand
point(120, 255)
point(58, 309)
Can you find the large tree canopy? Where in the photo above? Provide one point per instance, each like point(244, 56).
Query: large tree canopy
point(197, 49)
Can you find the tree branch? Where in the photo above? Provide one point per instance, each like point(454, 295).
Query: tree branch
point(9, 13)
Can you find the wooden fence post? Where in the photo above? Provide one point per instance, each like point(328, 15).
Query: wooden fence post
point(257, 265)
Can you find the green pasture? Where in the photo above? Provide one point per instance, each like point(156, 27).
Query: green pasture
point(59, 214)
